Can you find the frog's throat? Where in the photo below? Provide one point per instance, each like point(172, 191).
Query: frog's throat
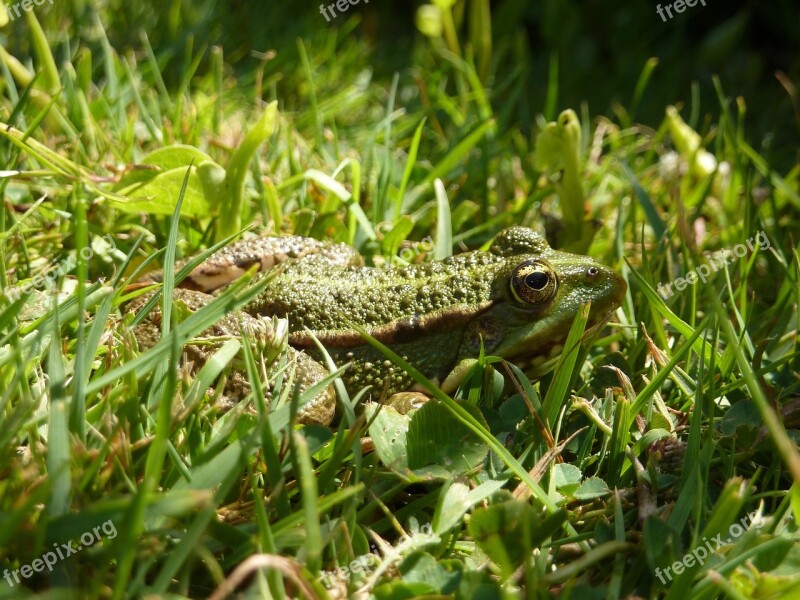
point(534, 360)
point(398, 331)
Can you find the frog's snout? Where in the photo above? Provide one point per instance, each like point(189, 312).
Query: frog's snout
point(620, 288)
point(612, 285)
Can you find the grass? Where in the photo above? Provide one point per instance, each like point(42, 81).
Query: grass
point(654, 440)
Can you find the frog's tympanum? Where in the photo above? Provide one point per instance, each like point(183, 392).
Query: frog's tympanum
point(518, 299)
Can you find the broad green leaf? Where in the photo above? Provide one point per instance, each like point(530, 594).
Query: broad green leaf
point(159, 195)
point(591, 488)
point(422, 568)
point(458, 499)
point(566, 478)
point(742, 414)
point(434, 438)
point(177, 155)
point(163, 159)
point(388, 432)
point(215, 185)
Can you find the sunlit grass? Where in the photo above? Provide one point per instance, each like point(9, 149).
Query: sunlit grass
point(675, 422)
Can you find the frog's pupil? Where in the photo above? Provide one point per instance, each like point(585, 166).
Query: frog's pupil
point(536, 280)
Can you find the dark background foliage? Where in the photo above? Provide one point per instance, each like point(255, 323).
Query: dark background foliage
point(601, 47)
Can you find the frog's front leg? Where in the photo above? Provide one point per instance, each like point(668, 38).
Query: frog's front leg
point(307, 372)
point(457, 375)
point(405, 402)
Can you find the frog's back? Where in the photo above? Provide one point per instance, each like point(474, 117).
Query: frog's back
point(327, 299)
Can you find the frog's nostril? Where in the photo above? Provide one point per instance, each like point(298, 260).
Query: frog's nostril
point(592, 271)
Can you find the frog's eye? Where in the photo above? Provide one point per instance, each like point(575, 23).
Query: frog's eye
point(533, 282)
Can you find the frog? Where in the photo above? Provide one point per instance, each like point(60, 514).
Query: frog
point(516, 300)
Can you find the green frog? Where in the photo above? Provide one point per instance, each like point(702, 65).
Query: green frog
point(518, 300)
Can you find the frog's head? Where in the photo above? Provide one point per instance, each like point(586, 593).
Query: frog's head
point(538, 292)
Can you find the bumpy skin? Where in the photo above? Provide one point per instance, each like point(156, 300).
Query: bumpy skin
point(307, 372)
point(433, 314)
point(233, 261)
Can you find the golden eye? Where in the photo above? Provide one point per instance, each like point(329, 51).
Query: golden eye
point(534, 282)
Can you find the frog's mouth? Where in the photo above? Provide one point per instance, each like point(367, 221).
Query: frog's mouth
point(544, 359)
